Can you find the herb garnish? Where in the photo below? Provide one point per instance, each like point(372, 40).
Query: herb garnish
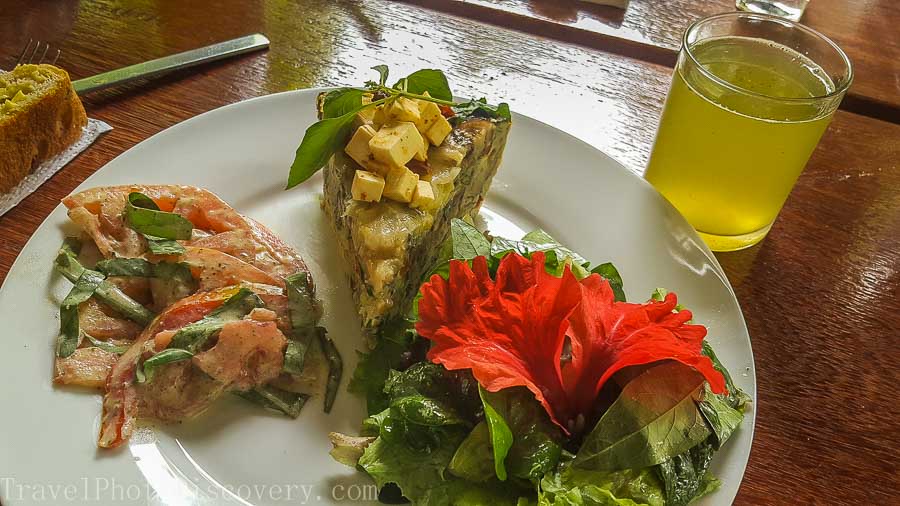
point(340, 107)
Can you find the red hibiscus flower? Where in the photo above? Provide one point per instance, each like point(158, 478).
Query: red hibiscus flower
point(512, 331)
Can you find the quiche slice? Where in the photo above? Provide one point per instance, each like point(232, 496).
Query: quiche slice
point(391, 193)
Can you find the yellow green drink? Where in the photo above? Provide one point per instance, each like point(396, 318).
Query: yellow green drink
point(742, 117)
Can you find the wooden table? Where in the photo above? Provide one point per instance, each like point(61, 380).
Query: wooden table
point(820, 294)
point(651, 30)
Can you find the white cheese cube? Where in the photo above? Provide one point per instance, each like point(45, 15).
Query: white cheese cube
point(400, 184)
point(423, 197)
point(403, 109)
point(439, 131)
point(422, 154)
point(429, 112)
point(396, 143)
point(378, 117)
point(358, 147)
point(367, 186)
point(364, 117)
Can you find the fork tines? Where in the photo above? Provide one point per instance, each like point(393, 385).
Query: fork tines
point(30, 53)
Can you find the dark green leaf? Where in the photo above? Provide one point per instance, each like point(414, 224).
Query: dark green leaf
point(147, 370)
point(193, 336)
point(653, 419)
point(560, 257)
point(160, 246)
point(342, 101)
point(736, 397)
point(468, 242)
point(609, 272)
point(320, 141)
point(106, 346)
point(536, 449)
point(335, 369)
point(304, 309)
point(136, 267)
point(431, 80)
point(686, 477)
point(501, 435)
point(421, 410)
point(67, 265)
point(474, 459)
point(383, 73)
point(144, 216)
point(267, 396)
point(373, 367)
point(480, 109)
point(69, 329)
point(721, 417)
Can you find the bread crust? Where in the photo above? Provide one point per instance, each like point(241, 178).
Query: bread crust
point(40, 129)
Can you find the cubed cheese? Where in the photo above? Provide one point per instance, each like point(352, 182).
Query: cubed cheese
point(367, 186)
point(396, 143)
point(378, 117)
point(358, 147)
point(422, 154)
point(364, 117)
point(423, 196)
point(400, 184)
point(429, 112)
point(402, 109)
point(438, 131)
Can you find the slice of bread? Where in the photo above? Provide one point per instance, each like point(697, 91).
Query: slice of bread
point(40, 115)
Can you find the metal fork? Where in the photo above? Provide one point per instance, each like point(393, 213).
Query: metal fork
point(30, 53)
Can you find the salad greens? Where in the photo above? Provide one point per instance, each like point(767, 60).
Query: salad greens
point(161, 229)
point(68, 265)
point(437, 437)
point(340, 107)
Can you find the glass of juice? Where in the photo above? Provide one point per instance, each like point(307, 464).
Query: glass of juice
point(750, 98)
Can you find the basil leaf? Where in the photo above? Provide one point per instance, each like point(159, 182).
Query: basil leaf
point(479, 109)
point(67, 265)
point(468, 242)
point(609, 272)
point(501, 435)
point(342, 101)
point(382, 74)
point(193, 336)
point(134, 267)
point(305, 312)
point(289, 403)
point(146, 371)
point(160, 246)
point(144, 216)
point(320, 141)
point(335, 369)
point(69, 329)
point(431, 80)
point(654, 418)
point(179, 273)
point(106, 346)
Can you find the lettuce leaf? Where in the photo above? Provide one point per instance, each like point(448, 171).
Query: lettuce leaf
point(579, 487)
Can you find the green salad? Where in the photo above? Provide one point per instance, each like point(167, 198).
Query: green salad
point(522, 376)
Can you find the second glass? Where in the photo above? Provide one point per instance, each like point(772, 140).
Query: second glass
point(750, 98)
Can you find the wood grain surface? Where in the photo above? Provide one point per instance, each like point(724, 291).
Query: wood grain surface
point(868, 30)
point(820, 294)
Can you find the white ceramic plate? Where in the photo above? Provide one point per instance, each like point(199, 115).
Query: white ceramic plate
point(237, 453)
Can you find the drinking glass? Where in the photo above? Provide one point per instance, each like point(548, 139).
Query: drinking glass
point(750, 98)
